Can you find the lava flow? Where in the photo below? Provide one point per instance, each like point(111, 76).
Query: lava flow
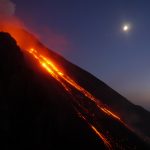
point(55, 72)
point(59, 75)
point(68, 83)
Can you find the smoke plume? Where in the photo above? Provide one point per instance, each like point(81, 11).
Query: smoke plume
point(9, 22)
point(7, 9)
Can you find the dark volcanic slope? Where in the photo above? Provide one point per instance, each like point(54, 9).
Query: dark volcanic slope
point(37, 113)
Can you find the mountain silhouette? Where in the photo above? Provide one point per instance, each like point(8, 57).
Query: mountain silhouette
point(42, 110)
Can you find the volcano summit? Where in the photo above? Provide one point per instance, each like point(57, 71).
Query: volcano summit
point(48, 102)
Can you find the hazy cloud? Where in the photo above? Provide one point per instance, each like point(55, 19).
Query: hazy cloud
point(7, 9)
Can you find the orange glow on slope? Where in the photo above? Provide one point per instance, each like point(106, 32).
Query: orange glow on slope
point(16, 29)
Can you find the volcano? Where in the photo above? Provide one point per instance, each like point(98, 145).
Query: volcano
point(48, 102)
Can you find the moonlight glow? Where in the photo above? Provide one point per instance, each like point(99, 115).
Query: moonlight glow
point(126, 28)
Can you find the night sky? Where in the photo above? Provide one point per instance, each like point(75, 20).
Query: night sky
point(90, 34)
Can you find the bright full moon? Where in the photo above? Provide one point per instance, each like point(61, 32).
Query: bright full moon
point(126, 28)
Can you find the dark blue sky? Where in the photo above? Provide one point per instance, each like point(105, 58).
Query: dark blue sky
point(89, 34)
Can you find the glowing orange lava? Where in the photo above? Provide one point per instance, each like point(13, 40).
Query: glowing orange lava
point(59, 76)
point(110, 113)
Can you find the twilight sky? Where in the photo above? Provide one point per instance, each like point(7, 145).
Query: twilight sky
point(89, 33)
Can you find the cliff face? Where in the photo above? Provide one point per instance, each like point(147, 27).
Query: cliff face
point(37, 112)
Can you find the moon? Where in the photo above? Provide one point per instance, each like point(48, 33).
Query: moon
point(126, 27)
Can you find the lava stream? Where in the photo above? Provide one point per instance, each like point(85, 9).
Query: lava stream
point(57, 74)
point(60, 77)
point(49, 66)
point(100, 135)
